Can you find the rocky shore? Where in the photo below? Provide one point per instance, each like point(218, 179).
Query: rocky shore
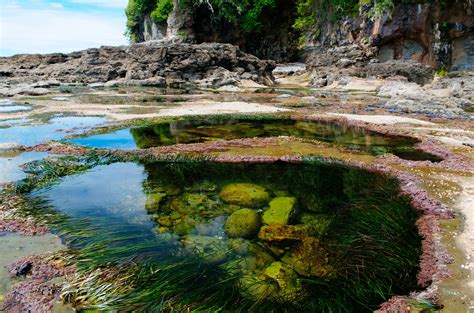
point(147, 64)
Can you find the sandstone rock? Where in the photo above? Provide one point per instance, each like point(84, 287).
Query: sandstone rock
point(10, 146)
point(413, 71)
point(412, 98)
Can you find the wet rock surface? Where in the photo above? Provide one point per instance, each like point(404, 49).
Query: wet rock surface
point(148, 64)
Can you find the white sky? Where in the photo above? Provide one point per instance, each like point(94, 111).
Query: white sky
point(44, 26)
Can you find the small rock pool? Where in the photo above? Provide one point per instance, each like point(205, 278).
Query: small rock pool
point(194, 131)
point(235, 237)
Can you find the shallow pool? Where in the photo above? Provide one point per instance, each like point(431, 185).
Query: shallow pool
point(56, 128)
point(184, 132)
point(238, 237)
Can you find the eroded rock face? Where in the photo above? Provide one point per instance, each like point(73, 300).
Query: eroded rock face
point(151, 63)
point(411, 41)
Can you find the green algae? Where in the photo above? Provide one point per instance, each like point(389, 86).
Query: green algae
point(280, 210)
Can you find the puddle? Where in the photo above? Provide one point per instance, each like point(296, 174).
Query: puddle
point(10, 164)
point(17, 121)
point(262, 237)
point(162, 134)
point(30, 135)
point(14, 246)
point(14, 108)
point(6, 102)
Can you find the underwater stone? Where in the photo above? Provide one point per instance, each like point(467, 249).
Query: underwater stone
point(184, 227)
point(165, 221)
point(239, 245)
point(277, 232)
point(280, 211)
point(287, 280)
point(210, 249)
point(153, 200)
point(319, 222)
point(257, 287)
point(263, 257)
point(243, 223)
point(308, 258)
point(245, 194)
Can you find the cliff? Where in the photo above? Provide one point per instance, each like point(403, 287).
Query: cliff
point(435, 33)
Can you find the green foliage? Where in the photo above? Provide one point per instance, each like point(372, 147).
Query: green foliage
point(442, 71)
point(311, 14)
point(162, 11)
point(380, 8)
point(245, 13)
point(135, 11)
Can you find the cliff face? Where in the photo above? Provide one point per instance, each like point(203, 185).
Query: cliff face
point(198, 24)
point(428, 33)
point(441, 36)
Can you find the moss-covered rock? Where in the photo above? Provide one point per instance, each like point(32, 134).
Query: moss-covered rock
point(257, 287)
point(286, 279)
point(245, 194)
point(280, 211)
point(243, 223)
point(280, 233)
point(153, 201)
point(309, 258)
point(319, 222)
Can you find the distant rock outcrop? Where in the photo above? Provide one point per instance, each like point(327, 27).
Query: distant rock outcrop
point(150, 63)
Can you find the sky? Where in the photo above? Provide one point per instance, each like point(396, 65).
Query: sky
point(46, 26)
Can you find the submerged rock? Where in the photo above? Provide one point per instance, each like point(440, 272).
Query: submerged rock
point(153, 201)
point(280, 211)
point(319, 222)
point(210, 249)
point(308, 258)
point(278, 233)
point(243, 223)
point(245, 194)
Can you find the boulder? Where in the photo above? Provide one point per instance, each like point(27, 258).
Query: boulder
point(243, 223)
point(245, 194)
